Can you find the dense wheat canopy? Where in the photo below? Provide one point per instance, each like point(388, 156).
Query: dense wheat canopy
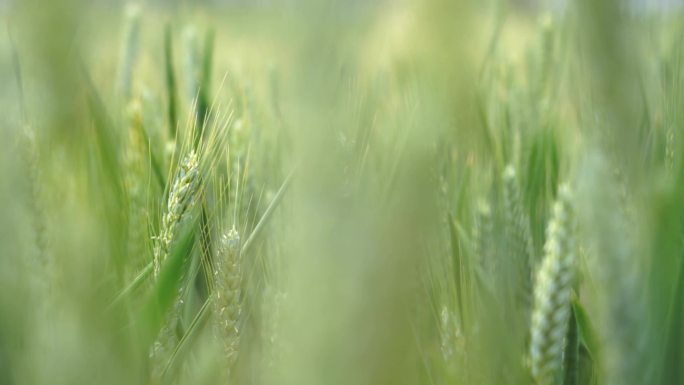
point(305, 192)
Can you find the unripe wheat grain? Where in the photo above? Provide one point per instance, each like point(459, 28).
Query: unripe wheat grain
point(227, 302)
point(181, 199)
point(553, 290)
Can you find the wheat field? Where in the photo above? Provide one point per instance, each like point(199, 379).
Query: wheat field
point(342, 192)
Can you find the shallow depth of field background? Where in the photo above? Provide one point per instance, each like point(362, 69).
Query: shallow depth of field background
point(376, 160)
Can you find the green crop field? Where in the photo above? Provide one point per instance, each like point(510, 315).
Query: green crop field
point(341, 192)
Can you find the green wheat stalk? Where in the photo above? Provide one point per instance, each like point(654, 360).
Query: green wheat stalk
point(134, 180)
point(38, 219)
point(191, 63)
point(129, 49)
point(170, 81)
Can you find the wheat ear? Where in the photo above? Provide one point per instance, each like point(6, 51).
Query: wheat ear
point(227, 301)
point(518, 235)
point(182, 198)
point(483, 236)
point(552, 293)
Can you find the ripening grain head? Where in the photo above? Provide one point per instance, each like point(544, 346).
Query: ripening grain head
point(552, 293)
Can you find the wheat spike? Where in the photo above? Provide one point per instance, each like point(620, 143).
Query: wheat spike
point(518, 235)
point(271, 313)
point(552, 294)
point(227, 301)
point(483, 236)
point(182, 197)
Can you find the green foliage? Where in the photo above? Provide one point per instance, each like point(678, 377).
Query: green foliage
point(318, 193)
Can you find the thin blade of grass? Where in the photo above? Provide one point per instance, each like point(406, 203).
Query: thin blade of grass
point(165, 290)
point(571, 355)
point(154, 162)
point(187, 338)
point(203, 98)
point(104, 134)
point(171, 87)
point(267, 215)
point(585, 328)
point(457, 260)
point(134, 284)
point(18, 78)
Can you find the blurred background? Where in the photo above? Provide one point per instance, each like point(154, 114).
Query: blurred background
point(341, 192)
